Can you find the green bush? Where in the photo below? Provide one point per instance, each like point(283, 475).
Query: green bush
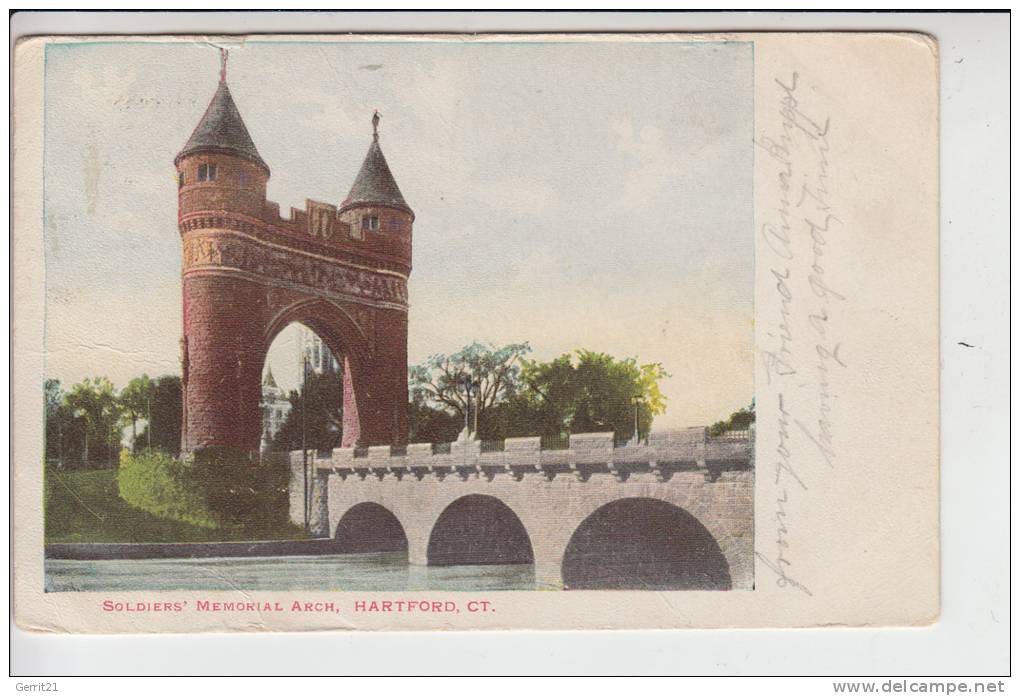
point(240, 489)
point(739, 420)
point(219, 488)
point(160, 484)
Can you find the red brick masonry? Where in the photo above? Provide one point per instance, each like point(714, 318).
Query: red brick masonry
point(248, 273)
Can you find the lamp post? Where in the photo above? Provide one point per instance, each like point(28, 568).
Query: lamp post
point(304, 444)
point(83, 414)
point(471, 388)
point(636, 400)
point(476, 390)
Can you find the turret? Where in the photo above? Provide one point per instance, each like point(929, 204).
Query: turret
point(219, 168)
point(375, 205)
point(269, 381)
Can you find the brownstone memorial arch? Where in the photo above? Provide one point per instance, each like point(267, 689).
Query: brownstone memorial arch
point(248, 272)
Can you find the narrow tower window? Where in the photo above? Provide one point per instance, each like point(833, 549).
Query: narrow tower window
point(180, 180)
point(203, 172)
point(370, 222)
point(212, 172)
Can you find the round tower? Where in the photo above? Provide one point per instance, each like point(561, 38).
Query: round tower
point(221, 182)
point(375, 410)
point(219, 168)
point(375, 207)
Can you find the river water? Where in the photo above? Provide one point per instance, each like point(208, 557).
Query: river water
point(357, 572)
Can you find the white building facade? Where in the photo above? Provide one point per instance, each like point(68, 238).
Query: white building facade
point(319, 358)
point(275, 407)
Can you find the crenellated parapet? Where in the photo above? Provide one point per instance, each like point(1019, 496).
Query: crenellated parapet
point(383, 243)
point(585, 455)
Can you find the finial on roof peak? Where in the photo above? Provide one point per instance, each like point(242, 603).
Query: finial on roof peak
point(222, 129)
point(374, 184)
point(223, 64)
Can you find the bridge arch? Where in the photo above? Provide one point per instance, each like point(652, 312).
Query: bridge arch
point(479, 529)
point(644, 543)
point(370, 527)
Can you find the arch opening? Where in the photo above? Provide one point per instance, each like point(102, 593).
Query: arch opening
point(370, 528)
point(479, 530)
point(301, 392)
point(643, 544)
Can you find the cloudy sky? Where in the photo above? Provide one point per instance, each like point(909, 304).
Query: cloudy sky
point(592, 195)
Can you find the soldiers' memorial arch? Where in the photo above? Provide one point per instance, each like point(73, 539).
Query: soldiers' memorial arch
point(248, 272)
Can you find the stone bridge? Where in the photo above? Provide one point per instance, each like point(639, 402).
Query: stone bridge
point(673, 513)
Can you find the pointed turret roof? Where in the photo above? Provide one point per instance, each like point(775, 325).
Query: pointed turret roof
point(375, 184)
point(269, 381)
point(222, 129)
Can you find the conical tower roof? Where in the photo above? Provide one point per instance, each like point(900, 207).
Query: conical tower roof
point(375, 184)
point(222, 129)
point(269, 381)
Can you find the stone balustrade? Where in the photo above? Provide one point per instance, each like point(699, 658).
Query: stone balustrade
point(587, 453)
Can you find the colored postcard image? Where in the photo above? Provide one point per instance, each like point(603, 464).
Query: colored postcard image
point(398, 315)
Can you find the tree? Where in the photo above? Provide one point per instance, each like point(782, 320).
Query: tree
point(163, 413)
point(439, 382)
point(586, 391)
point(59, 420)
point(93, 402)
point(136, 402)
point(738, 420)
point(583, 391)
point(429, 424)
point(316, 415)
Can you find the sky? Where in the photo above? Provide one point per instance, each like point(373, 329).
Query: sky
point(572, 195)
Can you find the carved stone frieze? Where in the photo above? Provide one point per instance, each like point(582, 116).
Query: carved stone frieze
point(321, 276)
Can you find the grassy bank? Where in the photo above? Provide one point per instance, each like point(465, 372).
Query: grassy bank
point(84, 506)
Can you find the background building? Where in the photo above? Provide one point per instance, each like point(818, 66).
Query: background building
point(275, 407)
point(320, 358)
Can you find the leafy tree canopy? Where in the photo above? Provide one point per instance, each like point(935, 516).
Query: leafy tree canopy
point(136, 401)
point(440, 381)
point(588, 391)
point(163, 411)
point(93, 402)
point(738, 420)
point(316, 415)
point(83, 425)
point(582, 391)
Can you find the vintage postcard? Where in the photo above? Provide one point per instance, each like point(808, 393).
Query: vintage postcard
point(475, 332)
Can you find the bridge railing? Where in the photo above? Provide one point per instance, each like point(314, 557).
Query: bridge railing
point(689, 448)
point(493, 446)
point(555, 442)
point(732, 435)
